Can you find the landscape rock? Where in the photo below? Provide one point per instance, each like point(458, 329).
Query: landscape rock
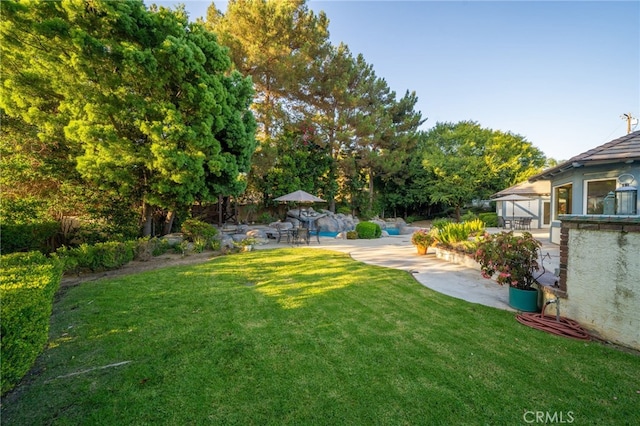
point(174, 239)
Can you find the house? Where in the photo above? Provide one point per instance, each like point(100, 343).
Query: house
point(591, 183)
point(594, 218)
point(536, 203)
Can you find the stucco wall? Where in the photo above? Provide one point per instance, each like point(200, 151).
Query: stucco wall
point(600, 277)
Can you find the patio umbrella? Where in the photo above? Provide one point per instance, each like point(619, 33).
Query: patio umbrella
point(513, 198)
point(300, 196)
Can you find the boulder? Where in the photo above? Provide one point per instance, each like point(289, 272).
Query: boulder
point(260, 235)
point(325, 220)
point(226, 241)
point(174, 239)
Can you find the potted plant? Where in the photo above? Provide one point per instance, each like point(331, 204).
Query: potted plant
point(423, 239)
point(514, 258)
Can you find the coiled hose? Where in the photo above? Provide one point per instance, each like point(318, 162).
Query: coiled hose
point(558, 325)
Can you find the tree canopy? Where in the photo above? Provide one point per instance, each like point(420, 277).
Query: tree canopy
point(143, 102)
point(466, 162)
point(301, 78)
point(121, 110)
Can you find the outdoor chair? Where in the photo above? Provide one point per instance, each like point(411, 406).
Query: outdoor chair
point(525, 223)
point(283, 231)
point(505, 223)
point(314, 230)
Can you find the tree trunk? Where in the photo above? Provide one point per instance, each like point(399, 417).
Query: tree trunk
point(147, 218)
point(168, 222)
point(370, 190)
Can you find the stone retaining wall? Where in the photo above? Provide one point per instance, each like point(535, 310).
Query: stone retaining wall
point(456, 257)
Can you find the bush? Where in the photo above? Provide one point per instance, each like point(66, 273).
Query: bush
point(97, 257)
point(468, 216)
point(29, 236)
point(352, 235)
point(411, 219)
point(195, 230)
point(474, 227)
point(490, 219)
point(266, 218)
point(440, 223)
point(514, 258)
point(368, 230)
point(452, 233)
point(147, 247)
point(28, 282)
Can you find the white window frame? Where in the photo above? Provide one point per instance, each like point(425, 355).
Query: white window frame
point(585, 191)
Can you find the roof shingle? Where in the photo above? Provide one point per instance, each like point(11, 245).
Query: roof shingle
point(623, 149)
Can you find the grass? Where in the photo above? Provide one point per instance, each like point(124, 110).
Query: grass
point(307, 337)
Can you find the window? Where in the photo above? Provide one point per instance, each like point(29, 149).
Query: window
point(596, 191)
point(546, 213)
point(563, 195)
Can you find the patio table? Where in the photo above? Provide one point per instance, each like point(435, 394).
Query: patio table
point(300, 235)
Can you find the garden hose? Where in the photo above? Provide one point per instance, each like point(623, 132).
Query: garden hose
point(558, 325)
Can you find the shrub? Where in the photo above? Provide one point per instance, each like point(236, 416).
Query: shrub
point(28, 282)
point(345, 210)
point(467, 247)
point(352, 235)
point(368, 230)
point(490, 219)
point(266, 217)
point(452, 233)
point(468, 216)
point(194, 229)
point(411, 219)
point(215, 245)
point(440, 222)
point(147, 247)
point(29, 236)
point(474, 227)
point(513, 258)
point(97, 257)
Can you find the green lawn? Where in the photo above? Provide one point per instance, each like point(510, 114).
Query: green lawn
point(304, 337)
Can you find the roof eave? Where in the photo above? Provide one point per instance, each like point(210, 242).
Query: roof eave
point(569, 165)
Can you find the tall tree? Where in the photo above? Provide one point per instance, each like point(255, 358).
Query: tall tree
point(329, 91)
point(272, 41)
point(145, 100)
point(468, 162)
point(398, 178)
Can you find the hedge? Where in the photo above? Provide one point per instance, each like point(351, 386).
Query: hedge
point(368, 230)
point(28, 282)
point(26, 237)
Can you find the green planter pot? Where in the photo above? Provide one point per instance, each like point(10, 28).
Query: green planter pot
point(523, 300)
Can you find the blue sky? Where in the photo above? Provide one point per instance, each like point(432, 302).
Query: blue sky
point(561, 74)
